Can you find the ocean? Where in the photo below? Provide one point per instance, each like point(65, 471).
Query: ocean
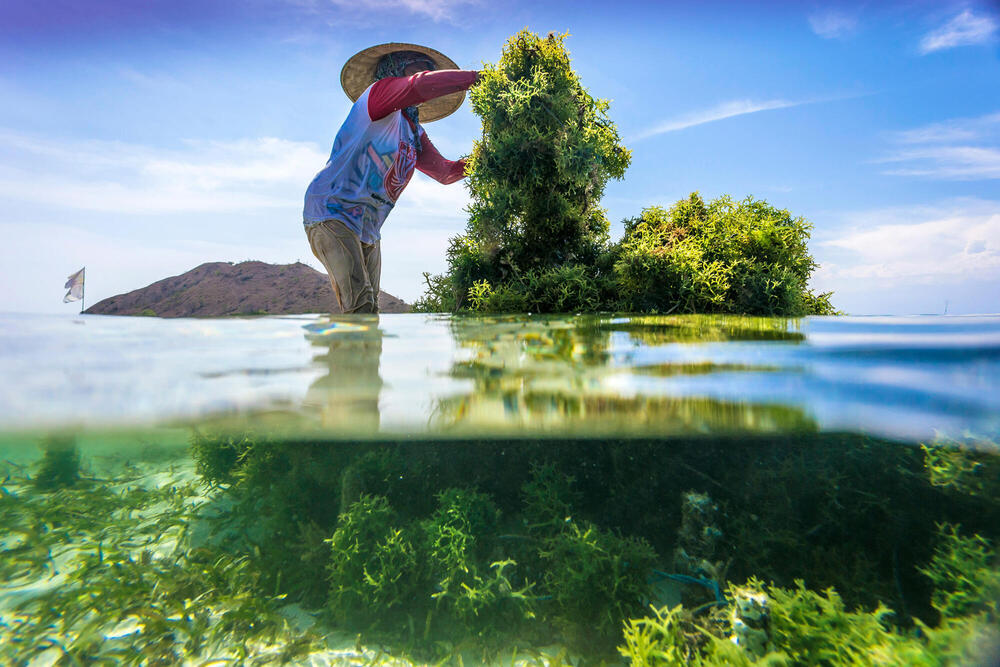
point(412, 489)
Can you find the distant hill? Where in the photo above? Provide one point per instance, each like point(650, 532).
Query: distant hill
point(217, 289)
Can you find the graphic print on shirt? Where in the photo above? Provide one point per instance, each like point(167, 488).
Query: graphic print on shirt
point(401, 171)
point(356, 213)
point(367, 172)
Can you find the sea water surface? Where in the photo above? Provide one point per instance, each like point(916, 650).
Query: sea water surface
point(183, 491)
point(902, 377)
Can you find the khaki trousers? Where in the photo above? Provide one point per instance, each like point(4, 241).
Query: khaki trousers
point(354, 267)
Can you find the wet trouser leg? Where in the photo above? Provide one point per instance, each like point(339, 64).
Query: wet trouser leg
point(354, 267)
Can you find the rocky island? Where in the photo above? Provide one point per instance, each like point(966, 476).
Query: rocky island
point(217, 289)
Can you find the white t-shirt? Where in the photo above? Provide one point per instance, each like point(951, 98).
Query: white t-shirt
point(370, 164)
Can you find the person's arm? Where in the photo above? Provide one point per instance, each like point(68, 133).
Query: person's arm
point(437, 167)
point(398, 92)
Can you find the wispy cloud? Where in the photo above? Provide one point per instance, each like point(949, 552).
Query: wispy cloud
point(966, 29)
point(195, 177)
point(373, 12)
point(959, 129)
point(832, 23)
point(134, 179)
point(948, 162)
point(957, 149)
point(722, 111)
point(951, 241)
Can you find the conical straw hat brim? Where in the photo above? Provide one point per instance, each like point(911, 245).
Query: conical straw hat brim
point(359, 73)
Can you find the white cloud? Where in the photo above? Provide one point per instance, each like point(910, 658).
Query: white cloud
point(208, 177)
point(133, 179)
point(957, 149)
point(831, 24)
point(720, 112)
point(948, 162)
point(951, 242)
point(959, 129)
point(966, 29)
point(425, 198)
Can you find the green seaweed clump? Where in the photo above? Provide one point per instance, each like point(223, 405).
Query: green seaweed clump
point(596, 579)
point(375, 569)
point(536, 232)
point(457, 536)
point(593, 579)
point(964, 573)
point(218, 456)
point(461, 574)
point(963, 470)
point(804, 627)
point(385, 572)
point(721, 257)
point(538, 241)
point(59, 466)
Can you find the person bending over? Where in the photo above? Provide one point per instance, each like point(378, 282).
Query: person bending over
point(395, 87)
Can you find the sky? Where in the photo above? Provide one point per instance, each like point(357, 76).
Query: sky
point(141, 139)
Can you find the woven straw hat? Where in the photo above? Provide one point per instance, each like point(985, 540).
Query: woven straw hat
point(359, 73)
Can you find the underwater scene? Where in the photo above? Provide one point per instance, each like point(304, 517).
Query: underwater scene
point(509, 490)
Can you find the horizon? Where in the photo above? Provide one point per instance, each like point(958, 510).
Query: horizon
point(143, 141)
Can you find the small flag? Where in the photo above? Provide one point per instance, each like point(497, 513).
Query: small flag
point(75, 285)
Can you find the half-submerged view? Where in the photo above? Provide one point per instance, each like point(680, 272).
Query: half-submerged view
point(636, 436)
point(413, 489)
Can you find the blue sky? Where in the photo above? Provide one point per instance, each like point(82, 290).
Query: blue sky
point(143, 138)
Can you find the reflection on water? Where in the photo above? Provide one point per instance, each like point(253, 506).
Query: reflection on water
point(349, 352)
point(663, 329)
point(905, 378)
point(571, 376)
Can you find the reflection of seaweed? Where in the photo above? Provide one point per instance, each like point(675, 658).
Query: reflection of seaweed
point(522, 408)
point(665, 329)
point(547, 371)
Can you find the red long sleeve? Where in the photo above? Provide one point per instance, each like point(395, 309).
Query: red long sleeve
point(430, 162)
point(395, 93)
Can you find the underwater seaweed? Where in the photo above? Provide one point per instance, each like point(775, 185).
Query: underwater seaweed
point(60, 464)
point(965, 574)
point(510, 542)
